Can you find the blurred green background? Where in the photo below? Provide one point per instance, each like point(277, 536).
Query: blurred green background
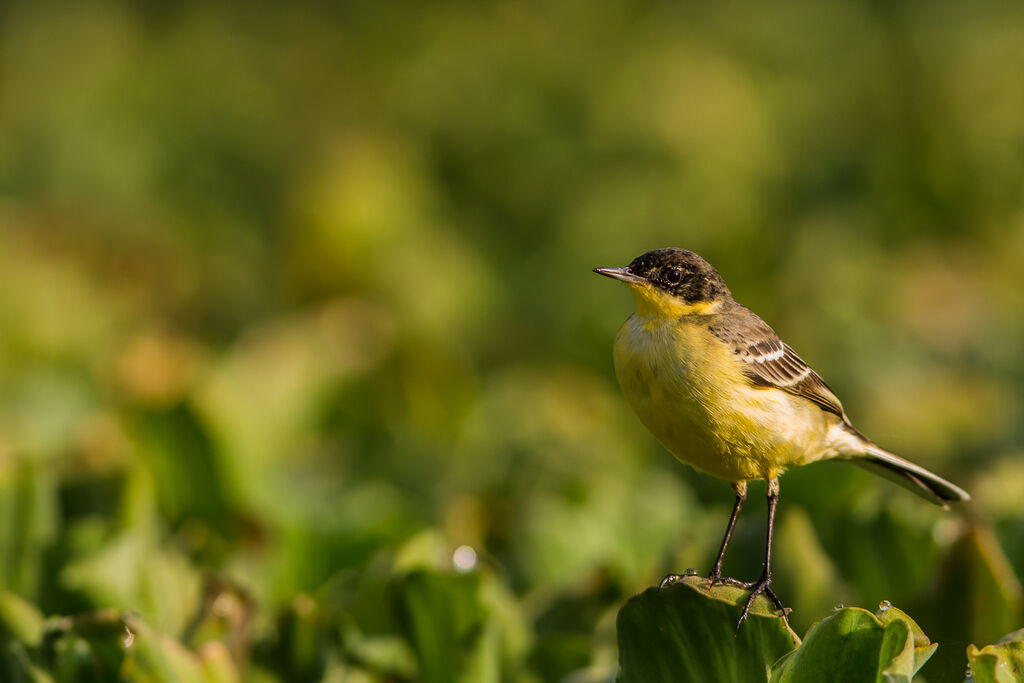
point(296, 301)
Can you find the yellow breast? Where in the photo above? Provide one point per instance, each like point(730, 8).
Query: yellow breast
point(688, 389)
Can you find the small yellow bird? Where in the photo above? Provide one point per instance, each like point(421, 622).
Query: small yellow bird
point(719, 389)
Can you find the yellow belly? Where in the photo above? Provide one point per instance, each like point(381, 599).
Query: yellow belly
point(688, 389)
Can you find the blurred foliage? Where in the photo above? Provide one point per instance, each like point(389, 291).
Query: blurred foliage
point(295, 302)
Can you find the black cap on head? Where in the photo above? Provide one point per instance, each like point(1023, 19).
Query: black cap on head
point(681, 273)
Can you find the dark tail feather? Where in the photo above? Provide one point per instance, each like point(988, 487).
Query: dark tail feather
point(910, 476)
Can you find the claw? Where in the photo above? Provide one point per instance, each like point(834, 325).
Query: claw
point(715, 578)
point(762, 585)
point(729, 581)
point(756, 588)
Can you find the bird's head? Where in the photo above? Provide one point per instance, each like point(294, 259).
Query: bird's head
point(672, 282)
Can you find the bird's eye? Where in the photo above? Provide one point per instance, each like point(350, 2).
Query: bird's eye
point(673, 276)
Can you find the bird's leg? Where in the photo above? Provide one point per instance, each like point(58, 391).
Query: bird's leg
point(740, 489)
point(762, 584)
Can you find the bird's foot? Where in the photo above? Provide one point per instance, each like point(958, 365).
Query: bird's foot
point(715, 577)
point(756, 588)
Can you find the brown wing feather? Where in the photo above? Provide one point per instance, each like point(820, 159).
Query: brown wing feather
point(769, 362)
point(782, 369)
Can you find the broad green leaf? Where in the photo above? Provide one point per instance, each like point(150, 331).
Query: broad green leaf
point(20, 619)
point(854, 645)
point(445, 620)
point(132, 571)
point(923, 647)
point(175, 446)
point(28, 523)
point(687, 632)
point(462, 627)
point(1002, 662)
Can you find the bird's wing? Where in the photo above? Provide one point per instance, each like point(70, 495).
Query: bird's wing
point(771, 363)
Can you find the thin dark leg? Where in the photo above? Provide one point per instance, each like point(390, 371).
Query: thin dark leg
point(762, 584)
point(740, 489)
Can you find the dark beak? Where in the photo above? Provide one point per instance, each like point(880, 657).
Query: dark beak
point(623, 274)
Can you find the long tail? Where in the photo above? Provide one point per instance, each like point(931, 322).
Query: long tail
point(908, 475)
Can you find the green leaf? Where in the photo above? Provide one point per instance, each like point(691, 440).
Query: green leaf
point(445, 621)
point(999, 663)
point(301, 642)
point(108, 645)
point(132, 571)
point(686, 632)
point(176, 447)
point(387, 654)
point(923, 647)
point(20, 619)
point(28, 523)
point(75, 660)
point(854, 645)
point(154, 657)
point(86, 647)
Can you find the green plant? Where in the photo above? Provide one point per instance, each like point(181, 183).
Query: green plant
point(1002, 662)
point(684, 633)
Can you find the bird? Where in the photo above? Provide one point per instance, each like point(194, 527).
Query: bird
point(723, 393)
